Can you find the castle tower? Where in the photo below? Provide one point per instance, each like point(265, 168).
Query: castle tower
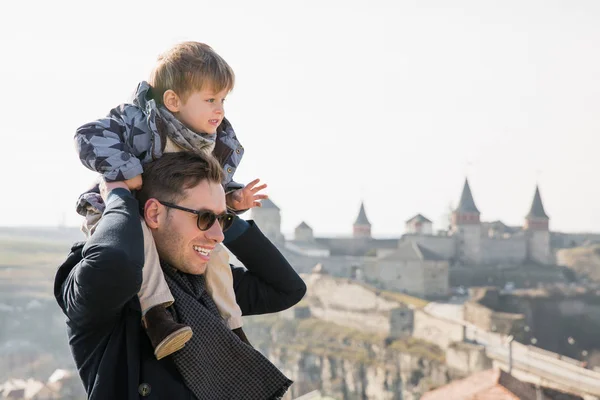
point(362, 226)
point(303, 232)
point(538, 231)
point(466, 226)
point(268, 219)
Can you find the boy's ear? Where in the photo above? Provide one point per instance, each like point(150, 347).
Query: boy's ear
point(171, 101)
point(152, 212)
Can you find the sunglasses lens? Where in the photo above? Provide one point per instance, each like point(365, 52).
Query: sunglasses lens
point(206, 220)
point(226, 222)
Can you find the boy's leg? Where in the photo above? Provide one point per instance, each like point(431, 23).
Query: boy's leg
point(154, 289)
point(165, 334)
point(219, 283)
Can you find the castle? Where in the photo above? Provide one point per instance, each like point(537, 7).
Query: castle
point(468, 240)
point(425, 263)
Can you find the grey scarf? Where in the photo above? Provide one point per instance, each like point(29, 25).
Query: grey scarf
point(181, 135)
point(215, 363)
point(161, 120)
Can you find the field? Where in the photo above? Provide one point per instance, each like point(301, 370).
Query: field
point(28, 261)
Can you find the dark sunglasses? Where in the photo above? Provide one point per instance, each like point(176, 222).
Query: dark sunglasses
point(206, 218)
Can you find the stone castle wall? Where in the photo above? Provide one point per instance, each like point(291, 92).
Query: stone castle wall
point(511, 250)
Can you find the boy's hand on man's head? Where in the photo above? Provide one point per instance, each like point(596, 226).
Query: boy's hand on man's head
point(106, 187)
point(134, 183)
point(248, 197)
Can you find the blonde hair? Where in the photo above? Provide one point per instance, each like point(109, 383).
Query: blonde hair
point(189, 67)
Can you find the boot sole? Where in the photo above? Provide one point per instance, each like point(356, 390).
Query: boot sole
point(174, 342)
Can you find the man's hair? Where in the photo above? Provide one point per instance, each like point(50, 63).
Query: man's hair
point(189, 67)
point(168, 177)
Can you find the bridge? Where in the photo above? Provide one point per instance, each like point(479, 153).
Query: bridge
point(526, 363)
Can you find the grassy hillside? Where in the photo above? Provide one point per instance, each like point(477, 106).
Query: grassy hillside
point(584, 260)
point(28, 262)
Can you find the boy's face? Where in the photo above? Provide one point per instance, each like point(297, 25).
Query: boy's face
point(202, 111)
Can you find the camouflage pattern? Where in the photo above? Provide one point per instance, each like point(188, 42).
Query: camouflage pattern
point(118, 145)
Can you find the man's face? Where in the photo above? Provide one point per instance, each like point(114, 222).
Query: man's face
point(203, 110)
point(177, 237)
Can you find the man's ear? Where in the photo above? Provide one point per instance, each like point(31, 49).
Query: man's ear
point(152, 212)
point(171, 101)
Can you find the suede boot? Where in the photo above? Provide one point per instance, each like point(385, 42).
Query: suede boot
point(166, 335)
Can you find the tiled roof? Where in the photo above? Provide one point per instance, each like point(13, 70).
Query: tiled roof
point(362, 219)
point(537, 208)
point(413, 251)
point(418, 218)
point(268, 203)
point(467, 204)
point(491, 384)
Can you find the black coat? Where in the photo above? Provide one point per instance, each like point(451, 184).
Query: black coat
point(97, 286)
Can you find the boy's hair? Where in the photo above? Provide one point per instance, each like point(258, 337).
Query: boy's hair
point(168, 177)
point(188, 67)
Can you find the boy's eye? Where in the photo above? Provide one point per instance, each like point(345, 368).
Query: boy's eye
point(211, 100)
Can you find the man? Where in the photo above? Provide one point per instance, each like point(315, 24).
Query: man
point(96, 287)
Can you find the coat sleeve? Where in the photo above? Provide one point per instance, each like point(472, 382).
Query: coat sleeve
point(104, 147)
point(110, 273)
point(269, 284)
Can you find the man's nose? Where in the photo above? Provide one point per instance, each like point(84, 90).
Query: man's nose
point(215, 232)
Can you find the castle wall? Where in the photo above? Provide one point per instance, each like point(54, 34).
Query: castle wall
point(437, 330)
point(445, 246)
point(469, 246)
point(467, 358)
point(269, 222)
point(539, 247)
point(493, 321)
point(402, 276)
point(436, 278)
point(307, 250)
point(503, 251)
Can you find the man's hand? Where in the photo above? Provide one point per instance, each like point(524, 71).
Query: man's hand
point(106, 187)
point(248, 197)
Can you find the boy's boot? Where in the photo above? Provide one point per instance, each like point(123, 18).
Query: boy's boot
point(166, 335)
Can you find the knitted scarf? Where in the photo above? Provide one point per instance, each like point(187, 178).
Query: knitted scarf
point(181, 135)
point(215, 363)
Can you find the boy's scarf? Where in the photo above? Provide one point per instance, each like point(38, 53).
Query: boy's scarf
point(161, 120)
point(215, 363)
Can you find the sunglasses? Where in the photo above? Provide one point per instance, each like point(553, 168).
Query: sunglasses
point(206, 218)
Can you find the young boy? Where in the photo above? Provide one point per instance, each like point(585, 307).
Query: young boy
point(179, 109)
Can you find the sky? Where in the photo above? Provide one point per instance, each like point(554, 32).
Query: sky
point(392, 103)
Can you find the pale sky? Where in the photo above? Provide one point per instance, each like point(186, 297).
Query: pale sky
point(391, 102)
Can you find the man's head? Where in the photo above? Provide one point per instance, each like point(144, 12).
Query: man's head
point(192, 81)
point(189, 181)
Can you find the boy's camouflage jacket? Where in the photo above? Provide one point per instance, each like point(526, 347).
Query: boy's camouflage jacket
point(118, 145)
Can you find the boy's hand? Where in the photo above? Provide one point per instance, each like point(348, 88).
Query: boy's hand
point(106, 187)
point(245, 198)
point(134, 183)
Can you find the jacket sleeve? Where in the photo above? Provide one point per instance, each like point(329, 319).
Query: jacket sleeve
point(103, 147)
point(269, 284)
point(110, 273)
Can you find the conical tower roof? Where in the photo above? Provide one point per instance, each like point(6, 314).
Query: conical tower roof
point(303, 225)
point(268, 203)
point(362, 219)
point(467, 204)
point(537, 208)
